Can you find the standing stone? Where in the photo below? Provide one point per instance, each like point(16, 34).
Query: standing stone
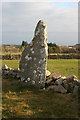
point(34, 58)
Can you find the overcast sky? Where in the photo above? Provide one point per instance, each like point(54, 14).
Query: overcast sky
point(20, 19)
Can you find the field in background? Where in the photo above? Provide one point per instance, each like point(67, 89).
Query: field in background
point(11, 49)
point(17, 49)
point(63, 66)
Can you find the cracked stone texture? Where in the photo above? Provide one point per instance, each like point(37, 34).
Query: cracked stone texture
point(34, 57)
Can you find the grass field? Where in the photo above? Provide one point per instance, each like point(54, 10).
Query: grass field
point(65, 67)
point(21, 101)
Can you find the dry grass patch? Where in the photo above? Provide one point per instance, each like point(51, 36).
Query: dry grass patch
point(21, 101)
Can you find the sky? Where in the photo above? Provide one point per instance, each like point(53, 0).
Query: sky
point(19, 20)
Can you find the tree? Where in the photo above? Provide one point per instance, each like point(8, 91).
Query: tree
point(50, 50)
point(56, 49)
point(53, 48)
point(24, 43)
point(50, 45)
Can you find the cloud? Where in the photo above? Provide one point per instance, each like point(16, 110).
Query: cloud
point(40, 1)
point(19, 19)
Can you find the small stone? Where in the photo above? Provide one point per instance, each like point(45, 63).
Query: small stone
point(9, 68)
point(76, 82)
point(52, 83)
point(16, 70)
point(59, 88)
point(50, 88)
point(63, 77)
point(55, 76)
point(4, 67)
point(71, 78)
point(59, 81)
point(48, 73)
point(49, 81)
point(66, 86)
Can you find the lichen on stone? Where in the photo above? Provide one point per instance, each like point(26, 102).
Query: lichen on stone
point(32, 52)
point(34, 58)
point(33, 82)
point(28, 79)
point(34, 71)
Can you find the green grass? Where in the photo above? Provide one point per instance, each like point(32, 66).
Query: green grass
point(11, 63)
point(21, 101)
point(65, 67)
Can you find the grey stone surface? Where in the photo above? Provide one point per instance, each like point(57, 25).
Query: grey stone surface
point(55, 76)
point(4, 67)
point(49, 81)
point(59, 81)
point(34, 57)
point(71, 78)
point(51, 87)
point(76, 82)
point(48, 73)
point(58, 88)
point(66, 86)
point(75, 89)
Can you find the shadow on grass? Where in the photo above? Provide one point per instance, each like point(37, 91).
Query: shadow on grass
point(21, 101)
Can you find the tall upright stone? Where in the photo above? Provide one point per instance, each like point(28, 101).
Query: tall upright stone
point(34, 57)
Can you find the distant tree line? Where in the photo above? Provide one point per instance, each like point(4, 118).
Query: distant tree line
point(54, 48)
